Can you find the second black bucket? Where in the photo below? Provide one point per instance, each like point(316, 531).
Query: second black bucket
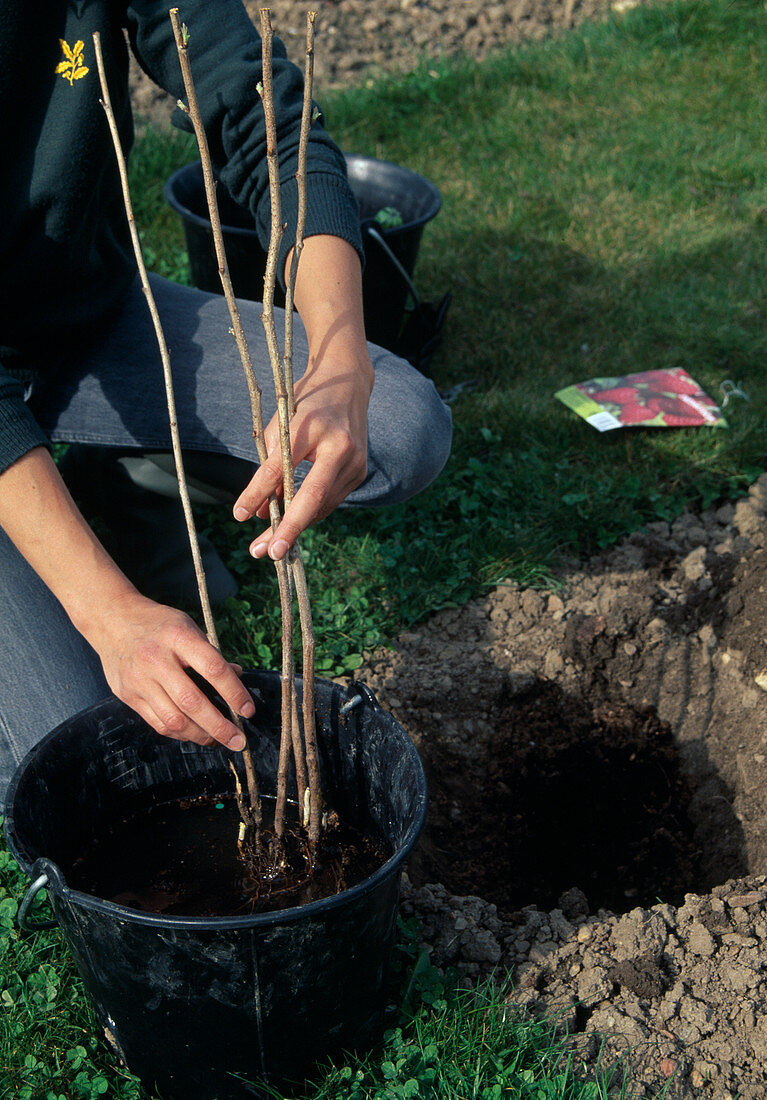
point(390, 252)
point(200, 1006)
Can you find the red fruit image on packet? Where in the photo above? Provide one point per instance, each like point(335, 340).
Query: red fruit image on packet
point(650, 399)
point(635, 413)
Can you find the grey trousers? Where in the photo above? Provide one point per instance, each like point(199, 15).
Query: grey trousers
point(114, 396)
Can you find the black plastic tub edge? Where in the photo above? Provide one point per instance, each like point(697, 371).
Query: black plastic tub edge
point(199, 1006)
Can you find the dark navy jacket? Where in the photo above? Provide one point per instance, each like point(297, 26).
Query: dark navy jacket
point(65, 254)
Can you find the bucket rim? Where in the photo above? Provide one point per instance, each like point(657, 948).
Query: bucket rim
point(409, 173)
point(59, 887)
point(188, 170)
point(194, 169)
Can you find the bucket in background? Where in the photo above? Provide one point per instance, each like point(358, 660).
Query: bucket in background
point(195, 1004)
point(390, 253)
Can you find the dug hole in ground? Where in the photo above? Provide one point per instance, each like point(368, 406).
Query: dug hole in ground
point(597, 760)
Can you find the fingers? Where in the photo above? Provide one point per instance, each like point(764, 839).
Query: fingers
point(151, 673)
point(181, 711)
point(322, 491)
point(319, 494)
point(259, 548)
point(340, 465)
point(194, 651)
point(188, 711)
point(329, 430)
point(154, 720)
point(266, 481)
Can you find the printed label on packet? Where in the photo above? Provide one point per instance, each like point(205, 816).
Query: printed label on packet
point(647, 399)
point(603, 421)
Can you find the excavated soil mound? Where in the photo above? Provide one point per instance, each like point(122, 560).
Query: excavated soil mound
point(598, 821)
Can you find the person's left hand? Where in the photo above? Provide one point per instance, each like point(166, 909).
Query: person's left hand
point(329, 429)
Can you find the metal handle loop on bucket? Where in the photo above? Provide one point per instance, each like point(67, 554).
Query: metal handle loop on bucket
point(29, 897)
point(361, 693)
point(401, 270)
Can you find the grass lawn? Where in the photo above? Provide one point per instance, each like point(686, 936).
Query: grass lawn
point(605, 211)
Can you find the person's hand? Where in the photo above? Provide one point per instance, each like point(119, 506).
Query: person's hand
point(147, 650)
point(329, 429)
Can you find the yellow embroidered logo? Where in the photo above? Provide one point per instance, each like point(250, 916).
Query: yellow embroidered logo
point(72, 68)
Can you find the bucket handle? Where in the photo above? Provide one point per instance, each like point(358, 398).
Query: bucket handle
point(34, 926)
point(373, 232)
point(361, 693)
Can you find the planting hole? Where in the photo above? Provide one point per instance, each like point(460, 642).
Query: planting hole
point(568, 795)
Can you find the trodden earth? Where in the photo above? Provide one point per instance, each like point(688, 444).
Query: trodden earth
point(358, 41)
point(597, 758)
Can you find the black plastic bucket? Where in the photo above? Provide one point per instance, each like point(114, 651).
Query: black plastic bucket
point(192, 1004)
point(390, 253)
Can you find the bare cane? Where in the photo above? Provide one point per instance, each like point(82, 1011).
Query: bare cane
point(308, 785)
point(283, 380)
point(307, 117)
point(181, 35)
point(202, 587)
point(299, 576)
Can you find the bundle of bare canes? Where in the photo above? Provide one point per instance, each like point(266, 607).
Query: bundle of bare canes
point(298, 738)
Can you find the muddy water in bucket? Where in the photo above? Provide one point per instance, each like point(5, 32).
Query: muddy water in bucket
point(195, 1004)
point(180, 858)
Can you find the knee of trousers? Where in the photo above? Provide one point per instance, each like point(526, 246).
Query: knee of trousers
point(410, 436)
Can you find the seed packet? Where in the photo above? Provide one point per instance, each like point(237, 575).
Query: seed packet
point(648, 399)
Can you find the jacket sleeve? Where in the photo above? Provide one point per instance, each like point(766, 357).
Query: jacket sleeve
point(225, 58)
point(19, 431)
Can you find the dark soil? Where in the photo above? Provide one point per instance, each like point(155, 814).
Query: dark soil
point(557, 770)
point(181, 859)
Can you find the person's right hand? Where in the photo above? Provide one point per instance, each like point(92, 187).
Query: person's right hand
point(147, 650)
